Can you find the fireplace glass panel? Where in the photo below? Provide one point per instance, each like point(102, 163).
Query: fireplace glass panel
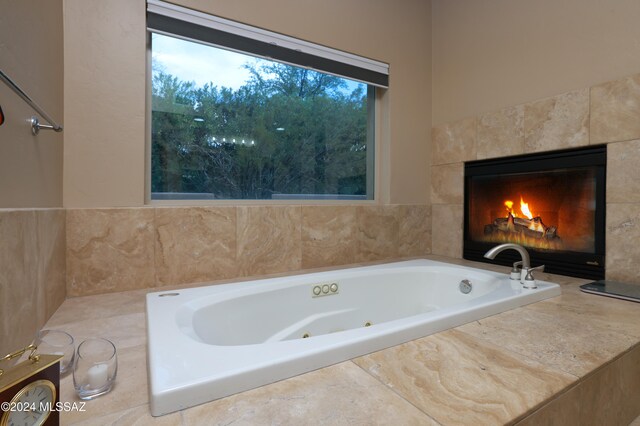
point(553, 210)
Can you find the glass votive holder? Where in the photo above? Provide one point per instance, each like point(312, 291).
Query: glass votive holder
point(57, 342)
point(95, 368)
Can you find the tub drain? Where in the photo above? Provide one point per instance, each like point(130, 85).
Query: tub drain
point(367, 324)
point(465, 286)
point(305, 335)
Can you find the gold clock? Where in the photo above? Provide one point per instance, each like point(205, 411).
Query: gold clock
point(30, 390)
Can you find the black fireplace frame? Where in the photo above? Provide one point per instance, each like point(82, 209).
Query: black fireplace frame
point(576, 264)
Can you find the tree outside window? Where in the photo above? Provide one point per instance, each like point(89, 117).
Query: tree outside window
point(285, 131)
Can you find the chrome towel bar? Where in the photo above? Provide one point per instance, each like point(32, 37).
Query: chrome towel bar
point(35, 123)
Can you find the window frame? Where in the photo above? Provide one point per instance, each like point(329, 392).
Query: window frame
point(374, 161)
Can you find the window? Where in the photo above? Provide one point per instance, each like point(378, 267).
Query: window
point(229, 123)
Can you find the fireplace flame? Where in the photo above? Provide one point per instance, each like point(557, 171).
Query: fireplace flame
point(524, 208)
point(509, 205)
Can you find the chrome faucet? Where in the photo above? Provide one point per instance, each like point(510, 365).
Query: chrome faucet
point(526, 275)
point(526, 261)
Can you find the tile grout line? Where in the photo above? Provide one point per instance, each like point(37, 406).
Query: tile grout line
point(80, 422)
point(395, 392)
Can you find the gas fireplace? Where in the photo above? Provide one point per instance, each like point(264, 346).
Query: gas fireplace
point(551, 203)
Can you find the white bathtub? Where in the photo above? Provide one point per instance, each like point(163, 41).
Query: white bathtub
point(209, 342)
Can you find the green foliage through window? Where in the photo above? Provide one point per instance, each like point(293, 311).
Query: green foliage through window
point(284, 131)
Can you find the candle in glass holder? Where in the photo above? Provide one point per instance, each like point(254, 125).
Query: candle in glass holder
point(98, 376)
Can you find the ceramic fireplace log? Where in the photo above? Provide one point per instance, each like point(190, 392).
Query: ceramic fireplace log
point(519, 225)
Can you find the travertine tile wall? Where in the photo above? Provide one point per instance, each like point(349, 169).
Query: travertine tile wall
point(608, 113)
point(32, 281)
point(119, 249)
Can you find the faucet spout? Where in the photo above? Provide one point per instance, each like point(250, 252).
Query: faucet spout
point(526, 262)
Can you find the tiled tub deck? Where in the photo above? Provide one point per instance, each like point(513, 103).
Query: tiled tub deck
point(573, 359)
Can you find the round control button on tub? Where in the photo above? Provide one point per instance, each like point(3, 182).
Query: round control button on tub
point(334, 287)
point(317, 290)
point(325, 289)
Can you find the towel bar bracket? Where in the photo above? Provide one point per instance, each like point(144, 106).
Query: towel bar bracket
point(36, 126)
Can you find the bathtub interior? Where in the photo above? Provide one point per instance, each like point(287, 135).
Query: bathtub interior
point(292, 311)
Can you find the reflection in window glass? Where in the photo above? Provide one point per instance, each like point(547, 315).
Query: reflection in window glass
point(231, 126)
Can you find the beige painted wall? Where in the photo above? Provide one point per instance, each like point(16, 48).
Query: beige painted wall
point(105, 81)
point(495, 53)
point(31, 54)
point(104, 56)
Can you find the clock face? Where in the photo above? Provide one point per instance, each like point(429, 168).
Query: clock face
point(31, 405)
